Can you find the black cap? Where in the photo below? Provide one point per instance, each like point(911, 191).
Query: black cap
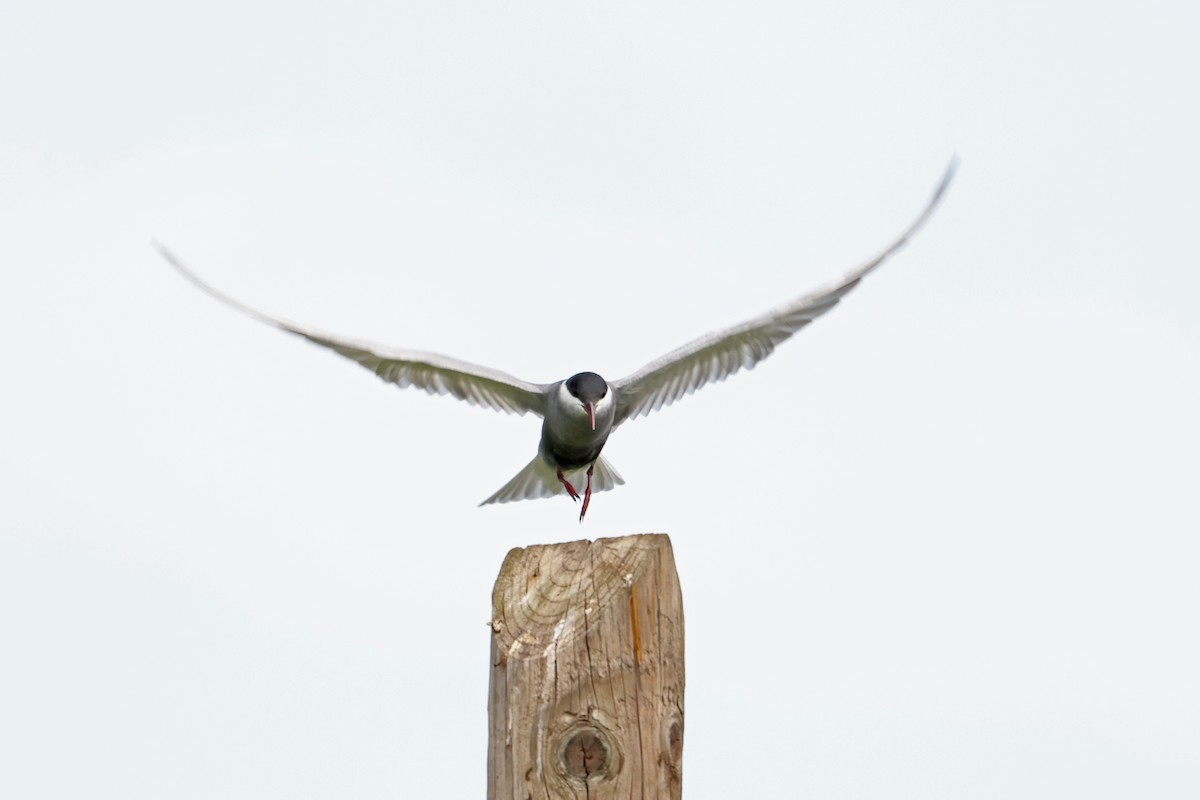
point(587, 386)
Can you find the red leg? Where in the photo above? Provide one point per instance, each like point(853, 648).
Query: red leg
point(571, 489)
point(587, 495)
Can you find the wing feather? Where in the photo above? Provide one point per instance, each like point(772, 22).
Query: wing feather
point(718, 355)
point(433, 373)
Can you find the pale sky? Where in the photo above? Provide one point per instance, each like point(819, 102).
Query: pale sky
point(943, 544)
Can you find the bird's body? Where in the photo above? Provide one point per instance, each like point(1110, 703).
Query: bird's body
point(572, 437)
point(580, 412)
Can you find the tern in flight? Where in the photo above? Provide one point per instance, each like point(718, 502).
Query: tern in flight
point(579, 413)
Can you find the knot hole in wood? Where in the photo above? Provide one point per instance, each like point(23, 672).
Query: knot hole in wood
point(675, 742)
point(588, 755)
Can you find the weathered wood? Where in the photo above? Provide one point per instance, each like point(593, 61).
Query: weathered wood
point(586, 692)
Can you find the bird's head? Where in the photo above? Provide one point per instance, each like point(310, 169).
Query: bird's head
point(589, 389)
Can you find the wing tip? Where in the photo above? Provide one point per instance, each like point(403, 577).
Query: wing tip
point(947, 177)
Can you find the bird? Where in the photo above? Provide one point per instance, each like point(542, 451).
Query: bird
point(580, 412)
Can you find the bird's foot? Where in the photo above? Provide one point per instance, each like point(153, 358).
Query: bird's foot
point(571, 489)
point(587, 495)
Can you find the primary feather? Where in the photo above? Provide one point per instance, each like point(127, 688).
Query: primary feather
point(432, 372)
point(718, 355)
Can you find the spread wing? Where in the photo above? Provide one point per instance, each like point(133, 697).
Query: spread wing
point(436, 374)
point(720, 354)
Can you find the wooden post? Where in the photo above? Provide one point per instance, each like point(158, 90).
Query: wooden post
point(586, 692)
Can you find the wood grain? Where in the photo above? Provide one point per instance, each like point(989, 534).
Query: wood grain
point(587, 677)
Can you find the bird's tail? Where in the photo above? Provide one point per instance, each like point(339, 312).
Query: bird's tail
point(539, 479)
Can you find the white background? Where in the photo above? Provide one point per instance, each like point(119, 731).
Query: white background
point(941, 545)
